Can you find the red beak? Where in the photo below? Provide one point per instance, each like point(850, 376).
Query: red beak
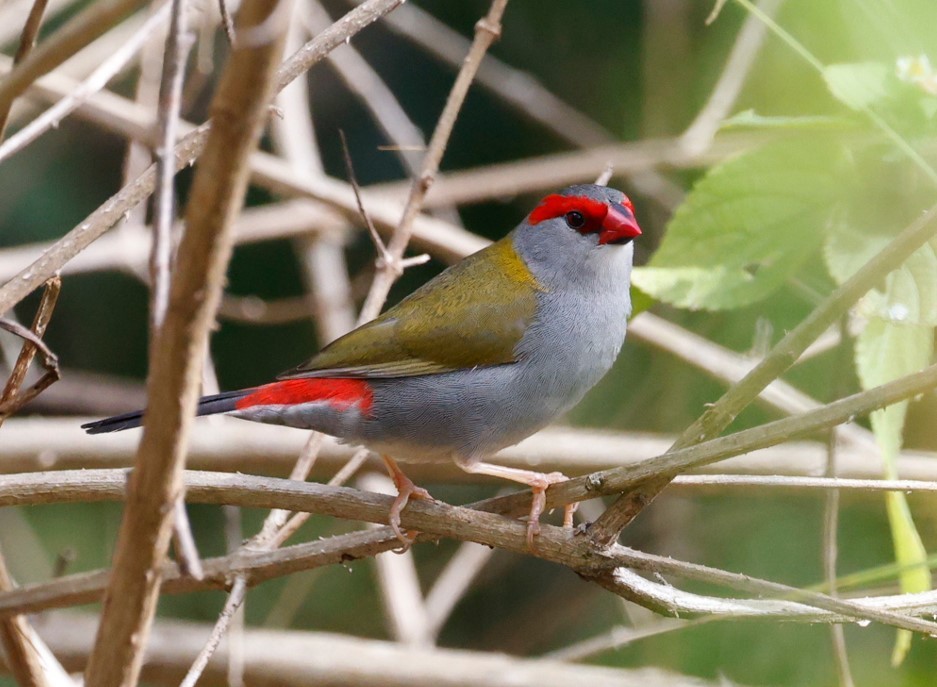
point(619, 225)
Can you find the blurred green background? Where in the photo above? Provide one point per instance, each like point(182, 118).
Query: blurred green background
point(641, 70)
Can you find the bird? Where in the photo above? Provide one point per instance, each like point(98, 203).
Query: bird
point(485, 354)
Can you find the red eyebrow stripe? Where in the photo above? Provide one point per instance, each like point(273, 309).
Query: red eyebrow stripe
point(557, 205)
point(341, 393)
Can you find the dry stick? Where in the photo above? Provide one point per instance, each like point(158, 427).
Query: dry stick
point(81, 30)
point(518, 89)
point(239, 110)
point(718, 416)
point(321, 256)
point(461, 523)
point(96, 81)
point(187, 150)
point(729, 366)
point(367, 84)
point(558, 545)
point(17, 638)
point(27, 43)
point(291, 658)
point(699, 135)
point(521, 91)
point(178, 43)
point(487, 30)
point(831, 516)
point(139, 155)
point(10, 399)
point(12, 12)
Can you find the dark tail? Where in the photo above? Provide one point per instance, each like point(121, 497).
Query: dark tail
point(209, 405)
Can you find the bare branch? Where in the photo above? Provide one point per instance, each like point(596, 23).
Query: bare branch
point(11, 399)
point(178, 42)
point(21, 647)
point(699, 135)
point(486, 31)
point(81, 30)
point(239, 111)
point(558, 545)
point(97, 80)
point(188, 149)
point(27, 43)
point(293, 659)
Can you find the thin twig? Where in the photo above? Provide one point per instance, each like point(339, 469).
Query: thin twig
point(11, 399)
point(699, 135)
point(81, 30)
point(295, 659)
point(175, 54)
point(384, 257)
point(27, 43)
point(486, 31)
point(557, 544)
point(231, 606)
point(17, 638)
point(96, 81)
point(239, 109)
point(831, 519)
point(366, 83)
point(187, 150)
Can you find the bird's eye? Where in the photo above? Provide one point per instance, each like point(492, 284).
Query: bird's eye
point(575, 220)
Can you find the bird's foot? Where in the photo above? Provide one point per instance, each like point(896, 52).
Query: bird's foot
point(539, 485)
point(406, 490)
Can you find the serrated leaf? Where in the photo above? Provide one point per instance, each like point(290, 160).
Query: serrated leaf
point(887, 350)
point(746, 226)
point(858, 84)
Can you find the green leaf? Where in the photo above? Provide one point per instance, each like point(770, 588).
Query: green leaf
point(747, 226)
point(911, 296)
point(885, 350)
point(640, 301)
point(857, 85)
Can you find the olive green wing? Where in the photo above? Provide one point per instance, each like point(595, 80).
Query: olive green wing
point(473, 314)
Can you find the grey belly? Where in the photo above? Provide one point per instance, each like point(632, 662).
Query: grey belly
point(461, 415)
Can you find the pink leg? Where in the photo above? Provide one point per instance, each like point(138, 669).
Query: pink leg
point(406, 490)
point(538, 482)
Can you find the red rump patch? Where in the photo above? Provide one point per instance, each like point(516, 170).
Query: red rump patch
point(557, 206)
point(340, 393)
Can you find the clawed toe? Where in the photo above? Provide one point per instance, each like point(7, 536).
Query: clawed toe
point(406, 490)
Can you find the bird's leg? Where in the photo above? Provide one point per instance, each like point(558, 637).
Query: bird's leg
point(538, 483)
point(406, 490)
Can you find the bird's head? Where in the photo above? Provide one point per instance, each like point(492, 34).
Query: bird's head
point(601, 215)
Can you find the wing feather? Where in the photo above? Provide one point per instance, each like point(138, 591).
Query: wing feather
point(473, 314)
